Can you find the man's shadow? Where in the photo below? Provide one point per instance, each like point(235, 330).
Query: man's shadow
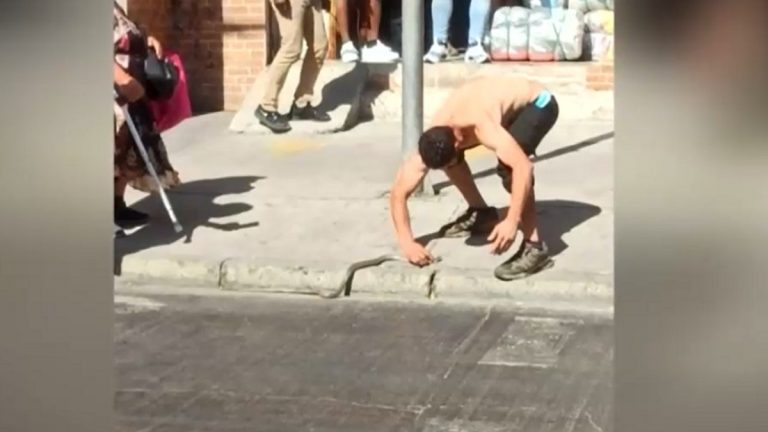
point(194, 205)
point(555, 219)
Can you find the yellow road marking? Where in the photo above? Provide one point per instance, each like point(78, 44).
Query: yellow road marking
point(289, 146)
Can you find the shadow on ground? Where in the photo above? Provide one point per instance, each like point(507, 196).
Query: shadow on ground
point(194, 205)
point(556, 218)
point(351, 89)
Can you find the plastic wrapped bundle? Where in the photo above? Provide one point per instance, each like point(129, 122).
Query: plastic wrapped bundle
point(518, 33)
point(509, 34)
point(499, 34)
point(599, 46)
point(585, 6)
point(555, 35)
point(536, 4)
point(600, 33)
point(600, 21)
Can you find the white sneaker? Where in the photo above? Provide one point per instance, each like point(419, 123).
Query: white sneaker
point(476, 54)
point(349, 53)
point(437, 53)
point(378, 53)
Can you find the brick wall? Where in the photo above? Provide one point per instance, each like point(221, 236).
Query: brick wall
point(222, 44)
point(600, 76)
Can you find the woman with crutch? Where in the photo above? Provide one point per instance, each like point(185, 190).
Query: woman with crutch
point(131, 49)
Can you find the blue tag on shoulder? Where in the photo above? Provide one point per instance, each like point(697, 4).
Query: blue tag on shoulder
point(543, 99)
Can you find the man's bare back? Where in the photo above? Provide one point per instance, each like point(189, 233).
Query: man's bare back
point(496, 96)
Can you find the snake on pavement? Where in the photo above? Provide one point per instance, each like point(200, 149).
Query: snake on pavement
point(345, 287)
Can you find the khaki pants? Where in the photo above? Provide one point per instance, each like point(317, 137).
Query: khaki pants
point(298, 20)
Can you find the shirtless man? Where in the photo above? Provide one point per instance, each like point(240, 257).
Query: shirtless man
point(510, 116)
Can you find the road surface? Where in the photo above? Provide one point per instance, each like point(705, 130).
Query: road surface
point(242, 363)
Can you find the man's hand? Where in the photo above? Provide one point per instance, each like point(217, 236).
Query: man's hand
point(417, 254)
point(156, 45)
point(502, 236)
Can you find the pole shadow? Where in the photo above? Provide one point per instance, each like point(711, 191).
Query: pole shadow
point(539, 158)
point(354, 88)
point(195, 206)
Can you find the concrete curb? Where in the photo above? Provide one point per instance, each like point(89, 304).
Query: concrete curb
point(173, 271)
point(455, 282)
point(390, 279)
point(256, 276)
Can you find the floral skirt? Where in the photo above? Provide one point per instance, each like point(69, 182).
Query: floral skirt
point(129, 165)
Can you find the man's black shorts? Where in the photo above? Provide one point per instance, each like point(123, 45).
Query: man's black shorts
point(529, 128)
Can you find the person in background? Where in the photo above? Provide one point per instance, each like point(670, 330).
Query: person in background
point(298, 20)
point(373, 50)
point(479, 11)
point(131, 48)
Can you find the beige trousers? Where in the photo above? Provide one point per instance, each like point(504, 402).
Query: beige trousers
point(298, 20)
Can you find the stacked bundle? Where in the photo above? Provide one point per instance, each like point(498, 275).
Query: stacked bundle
point(600, 34)
point(552, 30)
point(509, 34)
point(586, 6)
point(549, 4)
point(555, 34)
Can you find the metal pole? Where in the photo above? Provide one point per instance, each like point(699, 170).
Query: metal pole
point(413, 77)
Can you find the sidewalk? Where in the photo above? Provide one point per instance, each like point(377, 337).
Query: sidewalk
point(291, 213)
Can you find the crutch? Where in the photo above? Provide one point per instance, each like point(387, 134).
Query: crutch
point(151, 168)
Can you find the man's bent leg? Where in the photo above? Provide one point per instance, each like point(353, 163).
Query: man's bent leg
point(461, 177)
point(533, 255)
point(479, 218)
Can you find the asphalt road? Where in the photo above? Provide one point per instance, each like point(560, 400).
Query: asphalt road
point(237, 363)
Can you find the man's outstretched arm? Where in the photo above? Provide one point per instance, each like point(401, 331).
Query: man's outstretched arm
point(408, 178)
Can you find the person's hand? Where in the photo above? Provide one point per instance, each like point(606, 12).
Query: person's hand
point(128, 88)
point(417, 254)
point(156, 45)
point(502, 236)
point(132, 90)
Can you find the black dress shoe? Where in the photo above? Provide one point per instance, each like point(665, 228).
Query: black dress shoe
point(272, 120)
point(126, 217)
point(308, 112)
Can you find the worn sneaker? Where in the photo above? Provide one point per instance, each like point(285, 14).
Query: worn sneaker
point(474, 221)
point(378, 53)
point(308, 112)
point(528, 260)
point(272, 120)
point(437, 52)
point(349, 53)
point(476, 54)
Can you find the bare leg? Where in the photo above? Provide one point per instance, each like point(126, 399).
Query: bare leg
point(528, 221)
point(374, 20)
point(461, 177)
point(342, 19)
